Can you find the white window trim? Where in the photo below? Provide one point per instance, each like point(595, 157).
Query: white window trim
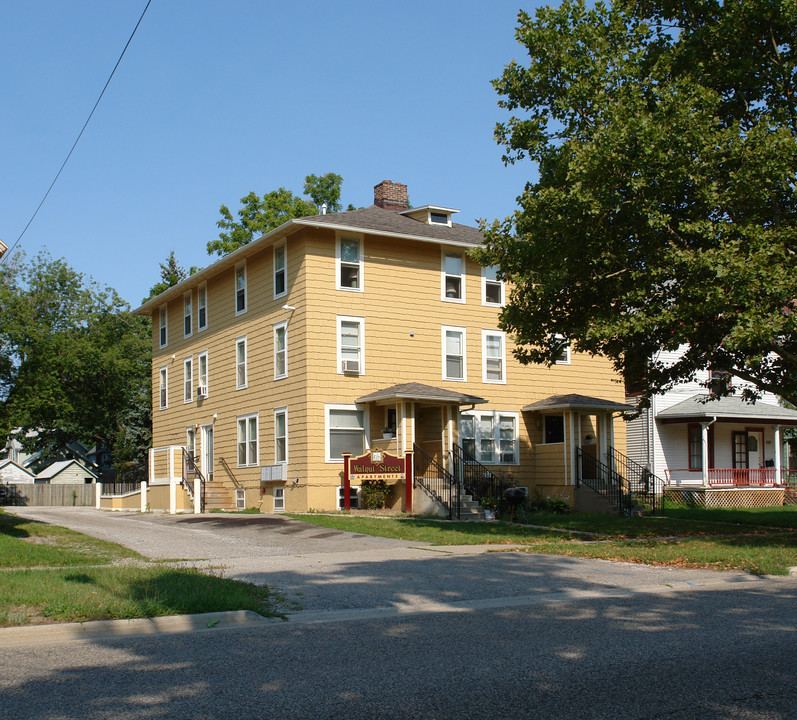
point(281, 411)
point(163, 328)
point(496, 415)
point(190, 433)
point(284, 325)
point(199, 326)
point(443, 276)
point(246, 418)
point(338, 262)
point(203, 354)
point(447, 215)
point(543, 441)
point(341, 496)
point(454, 328)
point(188, 313)
point(284, 249)
point(361, 322)
point(502, 335)
point(245, 288)
point(366, 425)
point(565, 351)
point(163, 387)
point(281, 491)
point(484, 291)
point(238, 341)
point(188, 383)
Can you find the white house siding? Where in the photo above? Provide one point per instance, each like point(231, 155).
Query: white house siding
point(12, 474)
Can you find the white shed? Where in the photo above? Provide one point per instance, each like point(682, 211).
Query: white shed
point(66, 472)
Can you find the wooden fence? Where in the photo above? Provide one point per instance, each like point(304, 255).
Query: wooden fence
point(45, 494)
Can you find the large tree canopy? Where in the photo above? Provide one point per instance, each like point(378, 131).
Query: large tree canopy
point(75, 361)
point(259, 215)
point(665, 212)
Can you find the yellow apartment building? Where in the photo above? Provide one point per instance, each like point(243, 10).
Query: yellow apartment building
point(357, 331)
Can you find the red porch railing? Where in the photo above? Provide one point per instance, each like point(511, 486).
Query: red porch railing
point(735, 477)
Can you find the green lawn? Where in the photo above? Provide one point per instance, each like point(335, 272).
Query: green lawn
point(756, 541)
point(52, 574)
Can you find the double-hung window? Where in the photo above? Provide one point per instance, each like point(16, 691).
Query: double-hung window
point(453, 275)
point(188, 379)
point(349, 261)
point(351, 341)
point(281, 350)
point(164, 388)
point(492, 287)
point(188, 315)
point(453, 353)
point(345, 431)
point(280, 272)
point(240, 289)
point(202, 307)
point(202, 372)
point(490, 437)
point(563, 358)
point(696, 447)
point(247, 440)
point(240, 363)
point(493, 356)
point(190, 443)
point(164, 328)
point(281, 435)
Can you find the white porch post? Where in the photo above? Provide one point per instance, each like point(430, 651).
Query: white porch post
point(778, 461)
point(603, 438)
point(573, 457)
point(144, 496)
point(197, 498)
point(151, 453)
point(172, 484)
point(98, 495)
point(704, 450)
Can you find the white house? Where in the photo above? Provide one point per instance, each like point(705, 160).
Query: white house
point(66, 472)
point(12, 473)
point(692, 439)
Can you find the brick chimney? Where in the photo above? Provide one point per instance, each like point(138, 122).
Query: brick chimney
point(391, 196)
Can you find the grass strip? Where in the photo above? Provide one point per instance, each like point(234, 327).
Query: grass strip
point(77, 595)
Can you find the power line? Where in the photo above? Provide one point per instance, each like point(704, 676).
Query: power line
point(74, 145)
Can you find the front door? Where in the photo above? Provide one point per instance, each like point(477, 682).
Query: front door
point(207, 452)
point(755, 449)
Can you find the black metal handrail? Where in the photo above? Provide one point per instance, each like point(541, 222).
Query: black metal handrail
point(641, 482)
point(230, 473)
point(437, 480)
point(190, 468)
point(479, 481)
point(603, 480)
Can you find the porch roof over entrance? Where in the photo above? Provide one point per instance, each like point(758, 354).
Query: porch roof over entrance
point(727, 409)
point(577, 402)
point(422, 393)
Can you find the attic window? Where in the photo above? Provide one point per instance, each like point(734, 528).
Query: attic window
point(438, 218)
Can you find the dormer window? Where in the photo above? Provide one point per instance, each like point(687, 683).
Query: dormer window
point(438, 218)
point(431, 214)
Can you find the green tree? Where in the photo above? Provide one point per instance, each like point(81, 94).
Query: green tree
point(77, 362)
point(259, 215)
point(664, 214)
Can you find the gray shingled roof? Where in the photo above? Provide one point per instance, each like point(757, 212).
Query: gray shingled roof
point(371, 219)
point(417, 391)
point(700, 407)
point(378, 220)
point(576, 402)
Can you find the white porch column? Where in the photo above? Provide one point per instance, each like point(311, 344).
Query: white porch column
point(98, 495)
point(778, 461)
point(172, 484)
point(197, 498)
point(610, 423)
point(602, 428)
point(151, 454)
point(704, 450)
point(144, 496)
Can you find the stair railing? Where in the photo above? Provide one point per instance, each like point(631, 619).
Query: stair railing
point(641, 481)
point(230, 473)
point(190, 471)
point(442, 485)
point(478, 481)
point(603, 480)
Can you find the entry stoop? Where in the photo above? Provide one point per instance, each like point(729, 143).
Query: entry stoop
point(218, 496)
point(589, 501)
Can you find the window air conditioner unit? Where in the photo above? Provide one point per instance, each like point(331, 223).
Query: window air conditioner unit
point(202, 391)
point(351, 366)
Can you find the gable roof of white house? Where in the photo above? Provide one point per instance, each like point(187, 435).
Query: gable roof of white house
point(58, 467)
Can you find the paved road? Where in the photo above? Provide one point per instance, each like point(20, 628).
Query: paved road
point(395, 630)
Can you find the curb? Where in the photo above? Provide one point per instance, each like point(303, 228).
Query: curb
point(139, 627)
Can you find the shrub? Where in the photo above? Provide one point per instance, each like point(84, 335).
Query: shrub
point(374, 493)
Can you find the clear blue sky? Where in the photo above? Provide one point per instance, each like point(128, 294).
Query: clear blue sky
point(216, 99)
